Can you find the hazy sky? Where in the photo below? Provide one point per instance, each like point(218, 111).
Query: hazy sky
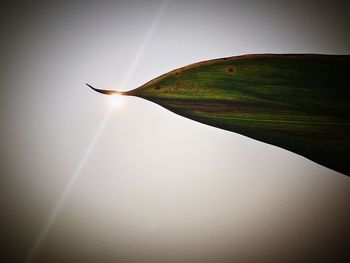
point(148, 185)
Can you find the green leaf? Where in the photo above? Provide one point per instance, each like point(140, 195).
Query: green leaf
point(299, 102)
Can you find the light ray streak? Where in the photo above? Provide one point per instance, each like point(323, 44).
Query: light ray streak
point(144, 44)
point(82, 162)
point(63, 198)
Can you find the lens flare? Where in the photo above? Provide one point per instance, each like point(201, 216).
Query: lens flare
point(115, 101)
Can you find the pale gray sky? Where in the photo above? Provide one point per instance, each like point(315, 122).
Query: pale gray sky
point(156, 187)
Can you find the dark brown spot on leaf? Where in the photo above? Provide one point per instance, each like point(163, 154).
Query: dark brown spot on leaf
point(231, 70)
point(157, 87)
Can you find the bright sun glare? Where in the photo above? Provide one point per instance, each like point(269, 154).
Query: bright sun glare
point(115, 101)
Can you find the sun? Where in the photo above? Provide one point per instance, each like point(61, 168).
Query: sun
point(115, 101)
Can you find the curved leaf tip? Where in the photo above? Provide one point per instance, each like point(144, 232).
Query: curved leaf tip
point(106, 92)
